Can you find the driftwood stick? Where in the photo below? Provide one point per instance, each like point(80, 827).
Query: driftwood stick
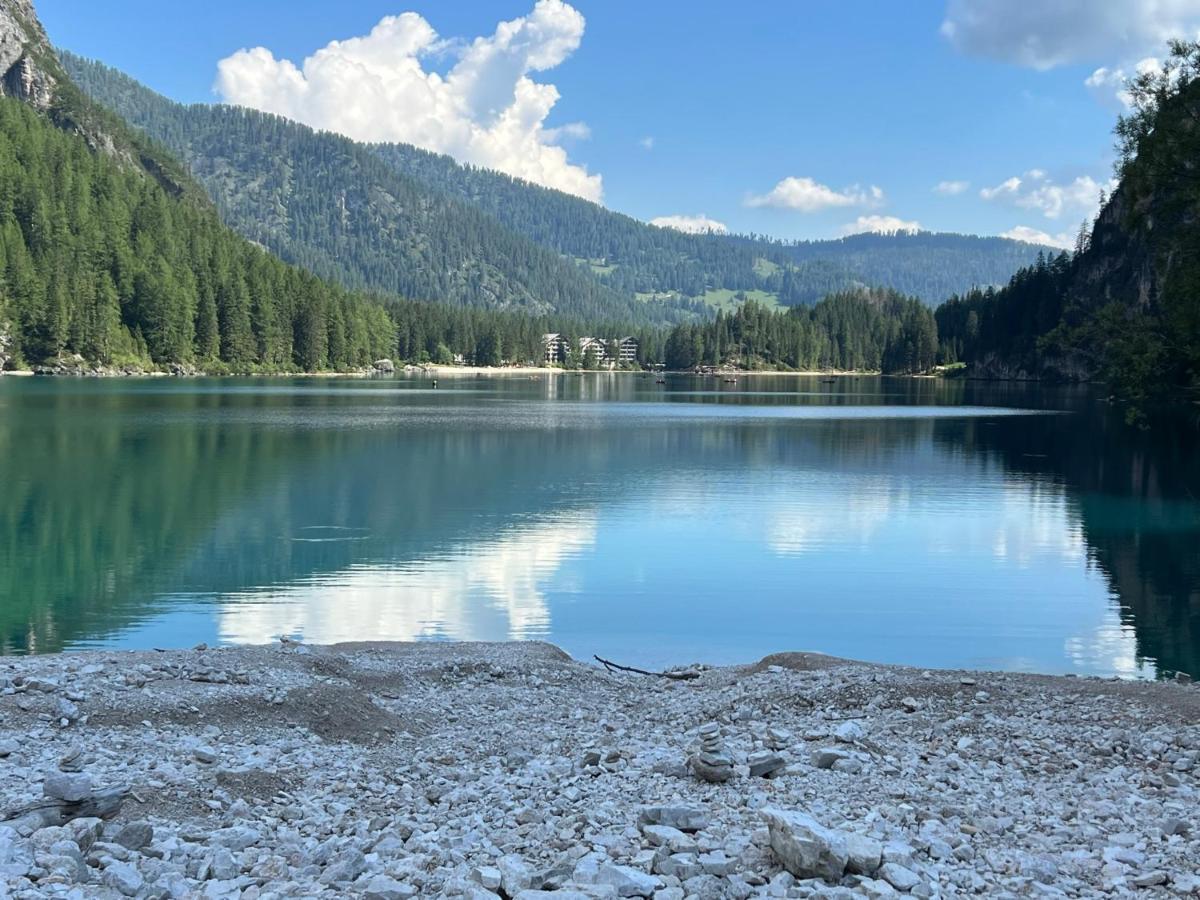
point(101, 805)
point(617, 667)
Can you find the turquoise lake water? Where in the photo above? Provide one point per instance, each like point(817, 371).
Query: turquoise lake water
point(935, 523)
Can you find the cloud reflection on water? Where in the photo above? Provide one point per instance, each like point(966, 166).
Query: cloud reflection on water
point(488, 590)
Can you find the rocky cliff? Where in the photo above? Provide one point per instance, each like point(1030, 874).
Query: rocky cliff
point(6, 346)
point(24, 48)
point(1125, 309)
point(30, 71)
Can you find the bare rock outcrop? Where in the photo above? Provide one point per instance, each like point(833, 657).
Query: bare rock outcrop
point(22, 42)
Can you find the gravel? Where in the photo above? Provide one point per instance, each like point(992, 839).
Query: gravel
point(509, 770)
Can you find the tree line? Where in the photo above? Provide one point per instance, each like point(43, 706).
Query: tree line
point(865, 330)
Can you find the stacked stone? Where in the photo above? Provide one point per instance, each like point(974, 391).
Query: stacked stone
point(713, 763)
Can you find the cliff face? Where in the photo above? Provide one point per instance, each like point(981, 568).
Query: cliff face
point(30, 71)
point(1126, 309)
point(6, 345)
point(1124, 262)
point(23, 46)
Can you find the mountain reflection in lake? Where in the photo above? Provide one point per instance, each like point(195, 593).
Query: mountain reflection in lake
point(915, 521)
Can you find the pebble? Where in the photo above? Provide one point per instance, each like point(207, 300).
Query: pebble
point(849, 732)
point(135, 835)
point(480, 772)
point(764, 764)
point(627, 881)
point(70, 787)
point(897, 876)
point(683, 818)
point(124, 878)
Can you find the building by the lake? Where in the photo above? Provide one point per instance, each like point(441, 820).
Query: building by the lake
point(557, 348)
point(603, 352)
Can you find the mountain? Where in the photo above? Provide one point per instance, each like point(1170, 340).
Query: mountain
point(111, 254)
point(323, 202)
point(635, 256)
point(31, 73)
point(1125, 308)
point(396, 218)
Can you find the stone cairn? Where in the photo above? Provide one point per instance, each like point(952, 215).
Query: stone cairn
point(713, 763)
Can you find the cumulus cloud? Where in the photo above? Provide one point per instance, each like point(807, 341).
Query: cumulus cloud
point(646, 143)
point(1035, 190)
point(700, 224)
point(950, 188)
point(1051, 33)
point(1109, 84)
point(572, 131)
point(1009, 186)
point(485, 110)
point(1062, 241)
point(881, 225)
point(807, 195)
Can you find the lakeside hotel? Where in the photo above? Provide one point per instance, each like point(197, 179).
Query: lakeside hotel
point(619, 350)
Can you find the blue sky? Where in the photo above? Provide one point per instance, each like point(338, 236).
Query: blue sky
point(800, 120)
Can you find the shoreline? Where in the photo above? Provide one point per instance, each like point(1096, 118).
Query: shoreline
point(448, 371)
point(512, 770)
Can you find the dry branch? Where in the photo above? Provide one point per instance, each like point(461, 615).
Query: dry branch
point(101, 805)
point(674, 676)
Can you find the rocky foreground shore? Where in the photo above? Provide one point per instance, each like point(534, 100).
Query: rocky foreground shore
point(484, 771)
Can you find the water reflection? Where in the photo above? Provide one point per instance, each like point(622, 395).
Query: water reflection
point(491, 590)
point(935, 523)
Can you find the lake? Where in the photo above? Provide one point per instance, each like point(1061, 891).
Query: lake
point(919, 521)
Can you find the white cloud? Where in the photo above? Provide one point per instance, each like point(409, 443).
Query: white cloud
point(881, 225)
point(1063, 241)
point(1049, 33)
point(1035, 190)
point(700, 224)
point(806, 195)
point(1009, 186)
point(486, 110)
point(951, 188)
point(572, 131)
point(1109, 84)
point(646, 143)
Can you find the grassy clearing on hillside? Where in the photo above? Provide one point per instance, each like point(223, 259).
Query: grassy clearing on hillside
point(723, 299)
point(764, 268)
point(598, 266)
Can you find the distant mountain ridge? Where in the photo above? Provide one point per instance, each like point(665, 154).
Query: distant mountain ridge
point(396, 218)
point(644, 258)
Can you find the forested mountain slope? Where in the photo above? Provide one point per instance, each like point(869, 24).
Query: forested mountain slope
point(646, 259)
point(380, 216)
point(1127, 308)
point(108, 250)
point(100, 261)
point(331, 205)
